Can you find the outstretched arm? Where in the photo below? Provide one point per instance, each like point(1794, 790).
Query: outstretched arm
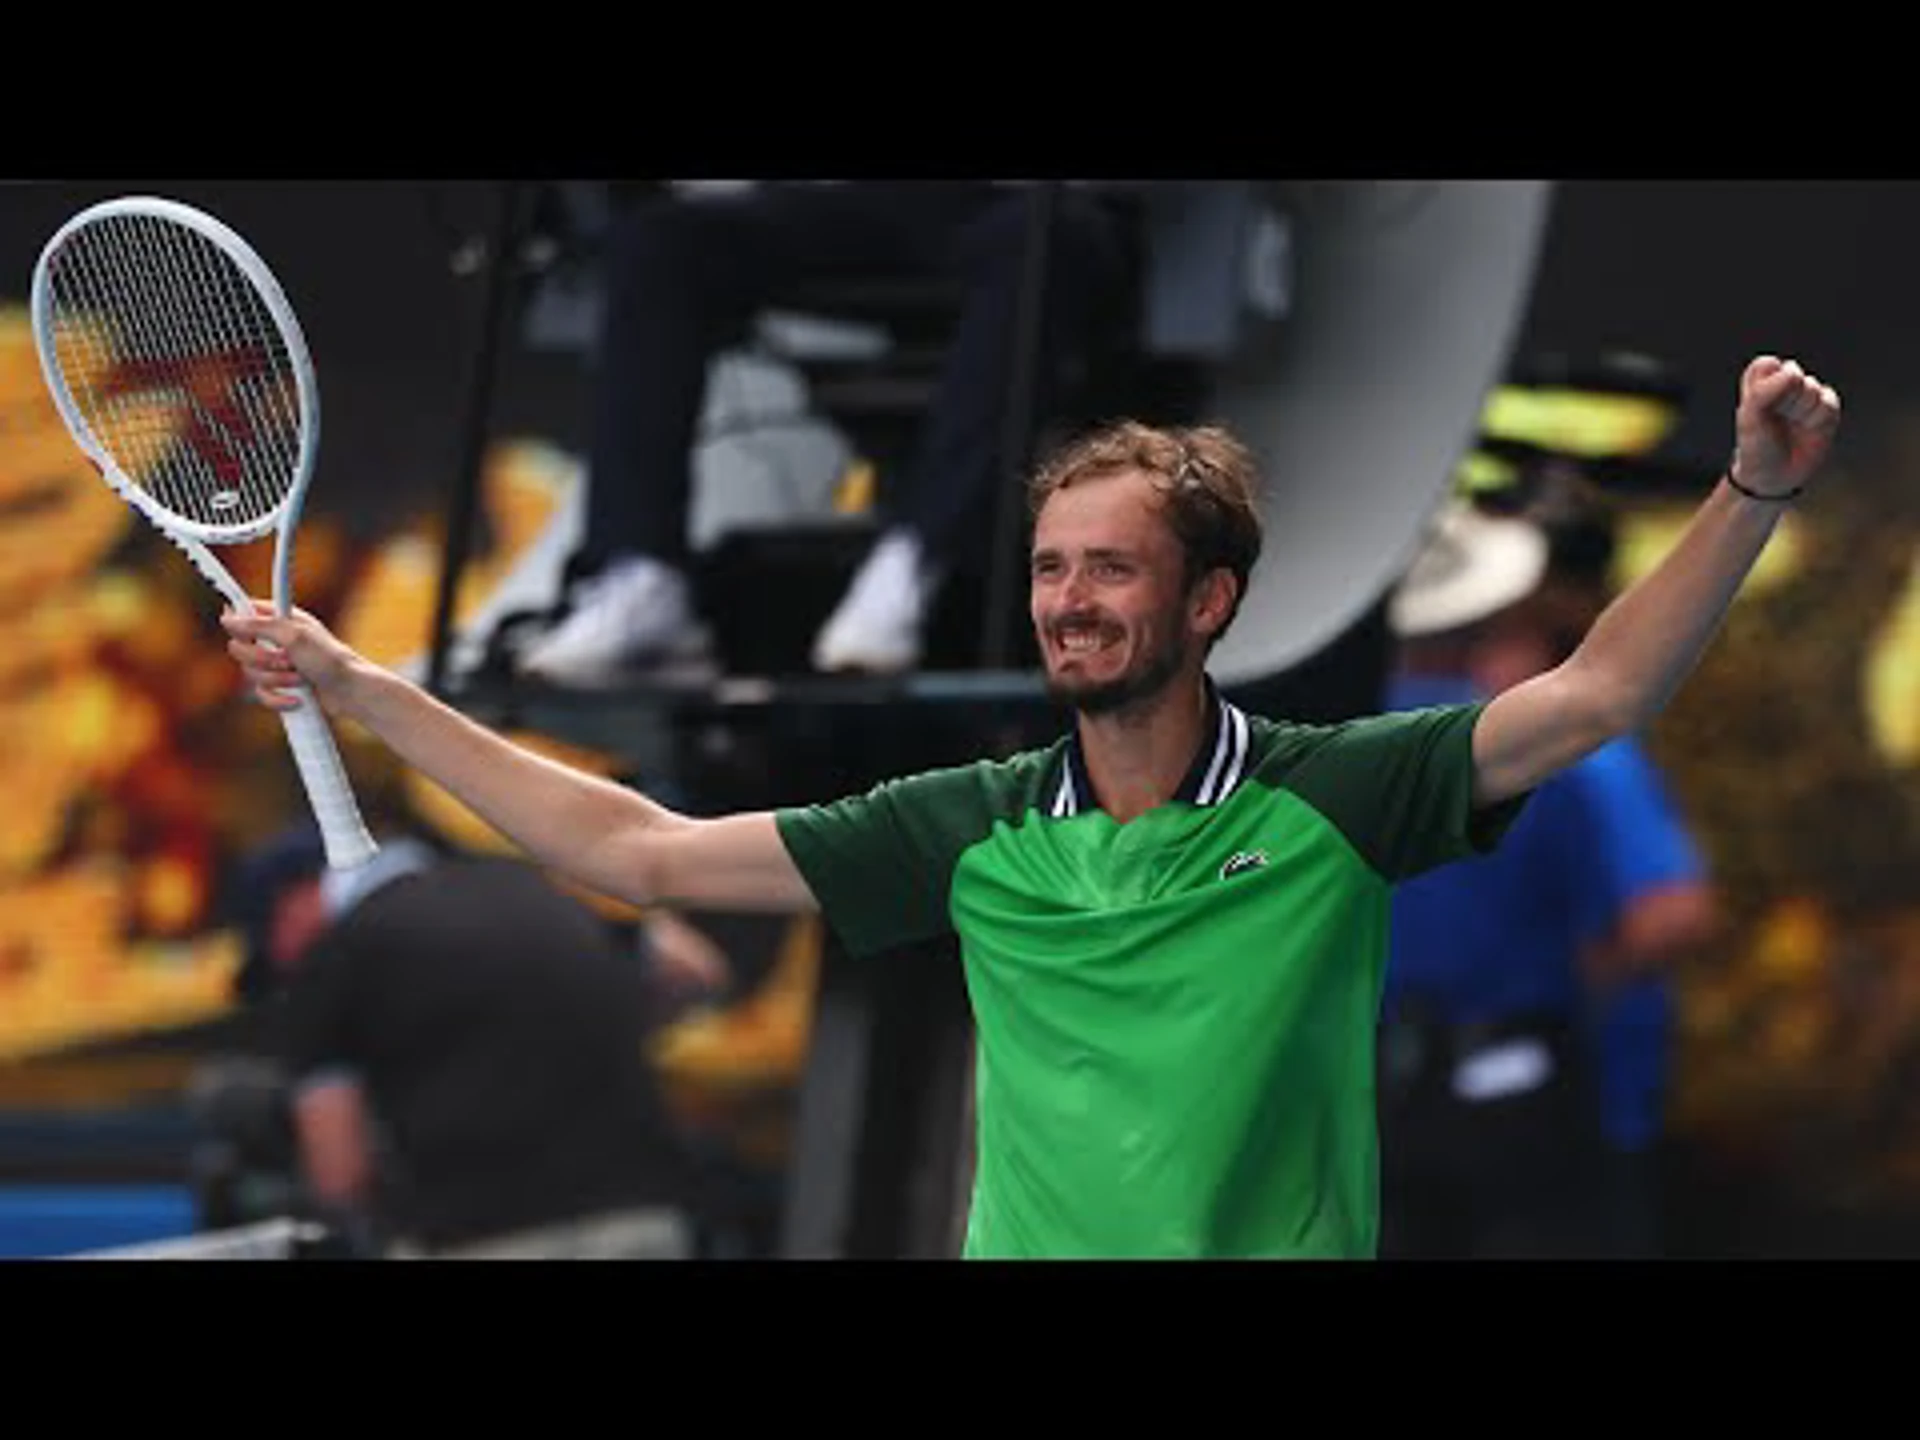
point(1648, 641)
point(601, 834)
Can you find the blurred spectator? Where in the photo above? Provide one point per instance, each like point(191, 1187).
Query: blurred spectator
point(685, 273)
point(463, 1047)
point(1498, 1117)
point(247, 1156)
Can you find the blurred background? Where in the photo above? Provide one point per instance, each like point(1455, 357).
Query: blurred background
point(451, 324)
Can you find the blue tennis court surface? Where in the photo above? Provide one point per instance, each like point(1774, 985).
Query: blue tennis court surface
point(38, 1221)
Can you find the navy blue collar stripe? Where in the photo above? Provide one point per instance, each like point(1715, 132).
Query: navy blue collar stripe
point(1225, 767)
point(1230, 751)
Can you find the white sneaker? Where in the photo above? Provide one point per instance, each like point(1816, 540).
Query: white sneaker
point(637, 613)
point(877, 626)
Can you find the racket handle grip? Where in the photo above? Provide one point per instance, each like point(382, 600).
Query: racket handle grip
point(328, 789)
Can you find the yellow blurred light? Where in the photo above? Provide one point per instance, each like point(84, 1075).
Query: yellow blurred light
point(1480, 473)
point(854, 494)
point(1581, 423)
point(1645, 536)
point(1890, 677)
point(1794, 940)
point(170, 893)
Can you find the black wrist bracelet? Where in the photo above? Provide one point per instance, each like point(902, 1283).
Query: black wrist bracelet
point(1781, 498)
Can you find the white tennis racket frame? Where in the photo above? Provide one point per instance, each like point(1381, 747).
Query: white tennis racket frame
point(315, 754)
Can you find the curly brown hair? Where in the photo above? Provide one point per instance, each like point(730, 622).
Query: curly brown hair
point(1207, 480)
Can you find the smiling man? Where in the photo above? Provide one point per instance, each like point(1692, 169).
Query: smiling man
point(1174, 918)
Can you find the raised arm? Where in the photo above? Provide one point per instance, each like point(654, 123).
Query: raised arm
point(601, 834)
point(1650, 638)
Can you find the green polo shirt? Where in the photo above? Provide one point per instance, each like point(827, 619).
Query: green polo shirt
point(1174, 1017)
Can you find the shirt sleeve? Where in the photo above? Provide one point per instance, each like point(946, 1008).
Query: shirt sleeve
point(1399, 786)
point(881, 864)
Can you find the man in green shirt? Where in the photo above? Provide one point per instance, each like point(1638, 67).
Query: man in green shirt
point(1172, 919)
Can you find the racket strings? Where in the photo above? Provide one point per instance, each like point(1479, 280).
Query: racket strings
point(178, 369)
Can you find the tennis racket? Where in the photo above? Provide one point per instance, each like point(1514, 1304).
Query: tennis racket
point(179, 369)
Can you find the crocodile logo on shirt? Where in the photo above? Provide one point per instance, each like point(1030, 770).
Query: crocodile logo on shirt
point(1243, 861)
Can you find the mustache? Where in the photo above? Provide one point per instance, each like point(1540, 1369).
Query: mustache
point(1081, 620)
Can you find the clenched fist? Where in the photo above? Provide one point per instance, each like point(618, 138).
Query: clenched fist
point(1783, 427)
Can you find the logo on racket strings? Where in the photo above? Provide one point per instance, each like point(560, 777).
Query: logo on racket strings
point(214, 390)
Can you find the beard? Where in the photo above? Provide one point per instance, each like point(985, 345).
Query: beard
point(1142, 681)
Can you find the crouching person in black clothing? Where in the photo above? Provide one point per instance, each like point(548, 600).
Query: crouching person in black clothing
point(463, 1043)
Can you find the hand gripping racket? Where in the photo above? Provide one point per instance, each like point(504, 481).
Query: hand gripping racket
point(175, 360)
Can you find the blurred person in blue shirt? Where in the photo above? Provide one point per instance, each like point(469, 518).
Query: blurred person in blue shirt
point(1525, 1013)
